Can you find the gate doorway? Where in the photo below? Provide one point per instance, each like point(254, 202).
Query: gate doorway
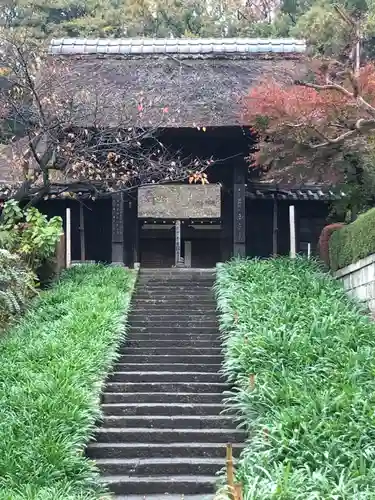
point(199, 244)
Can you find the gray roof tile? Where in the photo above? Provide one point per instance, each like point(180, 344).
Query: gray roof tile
point(188, 46)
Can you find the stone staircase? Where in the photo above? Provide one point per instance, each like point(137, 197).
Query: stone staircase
point(163, 436)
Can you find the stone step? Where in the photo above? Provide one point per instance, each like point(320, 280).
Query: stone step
point(178, 328)
point(193, 359)
point(169, 387)
point(175, 281)
point(174, 287)
point(165, 409)
point(177, 287)
point(167, 309)
point(164, 497)
point(155, 450)
point(168, 275)
point(167, 344)
point(166, 367)
point(162, 397)
point(160, 466)
point(171, 277)
point(182, 321)
point(169, 422)
point(208, 337)
point(153, 317)
point(176, 301)
point(157, 376)
point(171, 294)
point(160, 484)
point(166, 436)
point(172, 351)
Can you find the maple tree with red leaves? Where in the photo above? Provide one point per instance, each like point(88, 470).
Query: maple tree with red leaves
point(301, 124)
point(318, 129)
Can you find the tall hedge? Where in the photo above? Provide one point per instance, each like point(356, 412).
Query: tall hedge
point(353, 242)
point(323, 244)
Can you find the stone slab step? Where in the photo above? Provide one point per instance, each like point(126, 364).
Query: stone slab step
point(210, 328)
point(157, 376)
point(170, 387)
point(160, 484)
point(169, 422)
point(174, 301)
point(167, 367)
point(172, 351)
point(162, 397)
point(194, 297)
point(165, 436)
point(175, 336)
point(166, 309)
point(166, 344)
point(167, 496)
point(178, 328)
point(153, 317)
point(155, 450)
point(176, 287)
point(174, 276)
point(161, 466)
point(197, 358)
point(185, 321)
point(170, 276)
point(209, 279)
point(168, 289)
point(150, 409)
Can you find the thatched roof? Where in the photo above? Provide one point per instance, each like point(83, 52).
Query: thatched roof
point(178, 83)
point(196, 82)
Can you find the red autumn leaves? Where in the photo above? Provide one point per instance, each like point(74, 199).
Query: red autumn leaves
point(298, 113)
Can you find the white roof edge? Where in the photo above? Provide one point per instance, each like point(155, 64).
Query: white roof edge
point(198, 46)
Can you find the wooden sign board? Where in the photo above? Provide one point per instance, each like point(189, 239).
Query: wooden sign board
point(179, 201)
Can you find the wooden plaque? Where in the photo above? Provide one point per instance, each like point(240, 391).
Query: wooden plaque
point(179, 201)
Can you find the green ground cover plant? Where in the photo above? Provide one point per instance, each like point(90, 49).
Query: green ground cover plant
point(301, 358)
point(53, 364)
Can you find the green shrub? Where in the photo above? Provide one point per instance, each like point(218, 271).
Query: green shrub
point(29, 234)
point(16, 286)
point(310, 413)
point(323, 244)
point(53, 365)
point(353, 242)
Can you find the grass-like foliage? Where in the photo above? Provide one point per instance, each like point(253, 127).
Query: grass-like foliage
point(17, 287)
point(53, 364)
point(301, 357)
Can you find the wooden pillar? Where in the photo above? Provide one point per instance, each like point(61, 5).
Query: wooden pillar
point(239, 212)
point(68, 233)
point(292, 231)
point(136, 235)
point(117, 229)
point(82, 232)
point(177, 243)
point(275, 227)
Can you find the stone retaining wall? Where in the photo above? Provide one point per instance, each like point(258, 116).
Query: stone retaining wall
point(359, 280)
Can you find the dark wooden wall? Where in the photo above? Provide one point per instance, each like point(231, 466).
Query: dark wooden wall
point(310, 216)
